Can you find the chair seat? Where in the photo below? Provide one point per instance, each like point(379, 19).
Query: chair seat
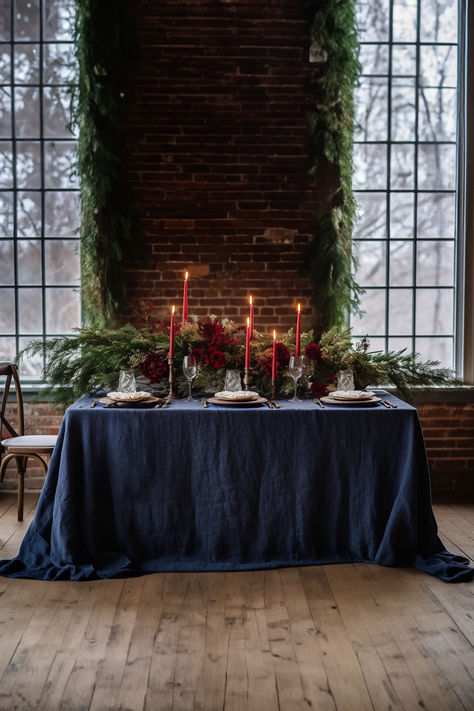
point(34, 443)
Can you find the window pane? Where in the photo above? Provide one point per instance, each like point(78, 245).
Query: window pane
point(373, 320)
point(438, 65)
point(27, 112)
point(26, 20)
point(400, 344)
point(373, 20)
point(434, 311)
point(7, 312)
point(29, 261)
point(58, 19)
point(59, 164)
point(400, 319)
point(6, 263)
point(435, 263)
point(436, 167)
point(30, 309)
point(439, 349)
point(404, 20)
point(5, 16)
point(26, 64)
point(374, 58)
point(437, 115)
point(439, 21)
point(29, 214)
point(59, 63)
point(28, 164)
point(6, 170)
point(6, 214)
point(402, 211)
point(62, 262)
point(436, 214)
point(371, 109)
point(371, 220)
point(30, 366)
point(5, 112)
point(404, 60)
point(370, 166)
point(403, 110)
point(402, 167)
point(7, 349)
point(63, 312)
point(371, 263)
point(56, 112)
point(61, 214)
point(401, 263)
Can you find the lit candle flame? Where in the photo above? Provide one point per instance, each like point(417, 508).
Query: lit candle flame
point(186, 276)
point(250, 301)
point(274, 335)
point(299, 308)
point(172, 309)
point(248, 321)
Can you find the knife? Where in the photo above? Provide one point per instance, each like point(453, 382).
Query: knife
point(275, 404)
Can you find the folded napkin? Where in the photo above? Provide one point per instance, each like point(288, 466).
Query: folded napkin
point(352, 395)
point(138, 395)
point(236, 395)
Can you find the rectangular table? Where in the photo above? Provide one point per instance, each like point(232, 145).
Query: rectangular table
point(225, 488)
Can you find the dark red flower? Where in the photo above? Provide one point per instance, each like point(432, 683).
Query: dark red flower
point(215, 333)
point(216, 358)
point(199, 356)
point(319, 389)
point(282, 355)
point(154, 367)
point(264, 364)
point(313, 351)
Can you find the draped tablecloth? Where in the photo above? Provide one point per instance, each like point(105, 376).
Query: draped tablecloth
point(227, 488)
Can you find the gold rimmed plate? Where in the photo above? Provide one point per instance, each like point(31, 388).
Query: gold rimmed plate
point(237, 403)
point(350, 401)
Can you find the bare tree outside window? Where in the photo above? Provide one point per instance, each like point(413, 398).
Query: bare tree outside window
point(39, 206)
point(405, 175)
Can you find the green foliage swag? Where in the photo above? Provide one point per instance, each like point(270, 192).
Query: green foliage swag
point(329, 260)
point(102, 46)
point(92, 358)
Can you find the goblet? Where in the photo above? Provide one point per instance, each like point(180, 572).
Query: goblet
point(189, 372)
point(295, 369)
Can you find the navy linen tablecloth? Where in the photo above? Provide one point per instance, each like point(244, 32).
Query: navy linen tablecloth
point(191, 489)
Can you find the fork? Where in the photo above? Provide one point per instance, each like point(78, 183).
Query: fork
point(269, 404)
point(275, 404)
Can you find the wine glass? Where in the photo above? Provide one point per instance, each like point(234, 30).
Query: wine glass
point(295, 369)
point(189, 372)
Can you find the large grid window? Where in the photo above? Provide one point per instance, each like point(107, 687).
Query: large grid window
point(39, 248)
point(405, 175)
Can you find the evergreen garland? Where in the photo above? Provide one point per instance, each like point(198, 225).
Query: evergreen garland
point(101, 43)
point(329, 261)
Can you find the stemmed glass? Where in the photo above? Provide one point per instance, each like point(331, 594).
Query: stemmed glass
point(189, 372)
point(295, 369)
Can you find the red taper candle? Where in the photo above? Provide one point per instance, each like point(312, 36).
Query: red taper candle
point(247, 344)
point(274, 356)
point(185, 298)
point(251, 318)
point(298, 331)
point(171, 353)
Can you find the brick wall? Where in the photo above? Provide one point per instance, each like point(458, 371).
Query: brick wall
point(216, 151)
point(449, 438)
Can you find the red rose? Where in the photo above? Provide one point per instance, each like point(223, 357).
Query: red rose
point(199, 356)
point(319, 389)
point(313, 351)
point(154, 367)
point(282, 356)
point(265, 365)
point(216, 358)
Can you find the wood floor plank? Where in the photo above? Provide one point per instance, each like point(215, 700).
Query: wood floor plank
point(339, 637)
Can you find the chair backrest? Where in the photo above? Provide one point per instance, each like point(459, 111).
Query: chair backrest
point(10, 371)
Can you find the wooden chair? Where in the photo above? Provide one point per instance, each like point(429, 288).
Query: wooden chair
point(19, 446)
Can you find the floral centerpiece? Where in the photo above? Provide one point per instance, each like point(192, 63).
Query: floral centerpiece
point(92, 359)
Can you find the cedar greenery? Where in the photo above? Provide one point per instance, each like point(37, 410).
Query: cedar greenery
point(331, 121)
point(102, 46)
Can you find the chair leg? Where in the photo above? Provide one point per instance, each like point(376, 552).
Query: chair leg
point(21, 493)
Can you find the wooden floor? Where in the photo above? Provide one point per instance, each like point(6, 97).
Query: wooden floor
point(345, 637)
